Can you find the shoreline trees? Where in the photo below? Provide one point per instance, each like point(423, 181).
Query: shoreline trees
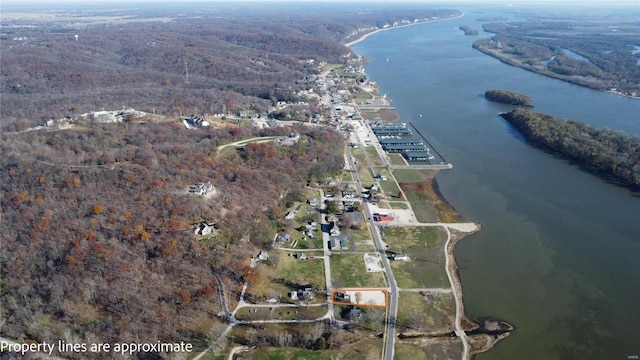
point(611, 152)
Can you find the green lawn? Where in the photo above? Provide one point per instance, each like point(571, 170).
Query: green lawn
point(431, 312)
point(285, 273)
point(286, 354)
point(358, 154)
point(345, 176)
point(350, 271)
point(425, 248)
point(314, 244)
point(374, 157)
point(413, 176)
point(422, 203)
point(365, 174)
point(368, 349)
point(361, 97)
point(389, 186)
point(363, 234)
point(365, 245)
point(398, 205)
point(281, 313)
point(405, 350)
point(396, 159)
point(434, 349)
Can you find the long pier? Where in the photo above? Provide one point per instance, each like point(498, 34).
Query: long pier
point(444, 161)
point(442, 166)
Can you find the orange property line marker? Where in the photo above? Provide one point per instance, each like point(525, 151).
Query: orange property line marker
point(357, 290)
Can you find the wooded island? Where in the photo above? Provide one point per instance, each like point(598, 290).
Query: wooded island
point(468, 30)
point(508, 97)
point(612, 152)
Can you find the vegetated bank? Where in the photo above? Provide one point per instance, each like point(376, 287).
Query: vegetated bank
point(468, 30)
point(613, 153)
point(508, 97)
point(568, 48)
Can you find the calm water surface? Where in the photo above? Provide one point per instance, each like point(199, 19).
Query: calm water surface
point(559, 252)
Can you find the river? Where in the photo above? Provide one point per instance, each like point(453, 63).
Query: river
point(558, 254)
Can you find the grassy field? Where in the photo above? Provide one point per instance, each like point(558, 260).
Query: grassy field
point(287, 273)
point(434, 312)
point(422, 203)
point(286, 354)
point(425, 248)
point(405, 350)
point(357, 235)
point(396, 159)
point(361, 97)
point(365, 174)
point(368, 349)
point(420, 189)
point(413, 176)
point(385, 114)
point(383, 205)
point(305, 211)
point(345, 176)
point(428, 205)
point(374, 157)
point(350, 271)
point(398, 205)
point(314, 244)
point(389, 186)
point(358, 154)
point(365, 245)
point(429, 348)
point(281, 313)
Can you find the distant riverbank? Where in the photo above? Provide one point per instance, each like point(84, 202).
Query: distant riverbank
point(366, 35)
point(542, 70)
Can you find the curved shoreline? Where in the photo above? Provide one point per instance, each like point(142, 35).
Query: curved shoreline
point(366, 35)
point(462, 323)
point(511, 62)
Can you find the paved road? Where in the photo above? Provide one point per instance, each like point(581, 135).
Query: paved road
point(327, 260)
point(390, 332)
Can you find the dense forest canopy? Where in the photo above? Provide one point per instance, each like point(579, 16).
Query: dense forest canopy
point(97, 234)
point(614, 153)
point(138, 56)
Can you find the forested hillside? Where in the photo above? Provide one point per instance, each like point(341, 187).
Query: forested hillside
point(97, 232)
point(611, 152)
point(236, 57)
point(97, 237)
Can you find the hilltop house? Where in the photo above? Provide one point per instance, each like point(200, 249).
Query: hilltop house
point(283, 238)
point(202, 189)
point(205, 229)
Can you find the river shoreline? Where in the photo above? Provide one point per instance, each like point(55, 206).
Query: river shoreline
point(477, 335)
point(367, 34)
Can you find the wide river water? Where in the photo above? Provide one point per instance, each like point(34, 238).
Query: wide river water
point(559, 251)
